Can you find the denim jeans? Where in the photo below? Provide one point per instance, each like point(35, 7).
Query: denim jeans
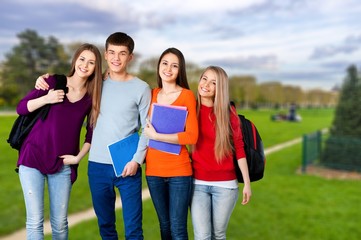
point(59, 187)
point(171, 198)
point(102, 182)
point(211, 209)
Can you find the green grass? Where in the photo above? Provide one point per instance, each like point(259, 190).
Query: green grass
point(12, 212)
point(273, 132)
point(291, 206)
point(12, 203)
point(284, 205)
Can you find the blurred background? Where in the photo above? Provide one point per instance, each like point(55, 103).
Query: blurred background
point(292, 49)
point(294, 71)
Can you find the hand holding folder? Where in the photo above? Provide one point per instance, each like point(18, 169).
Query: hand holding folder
point(167, 119)
point(122, 151)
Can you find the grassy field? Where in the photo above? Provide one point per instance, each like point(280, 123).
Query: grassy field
point(284, 205)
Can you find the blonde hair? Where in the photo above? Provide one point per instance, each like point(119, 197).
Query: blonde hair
point(221, 110)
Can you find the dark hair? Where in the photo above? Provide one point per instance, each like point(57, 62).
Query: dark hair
point(182, 75)
point(120, 39)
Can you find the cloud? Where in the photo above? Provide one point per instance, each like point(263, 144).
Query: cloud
point(68, 21)
point(271, 39)
point(349, 45)
point(337, 66)
point(307, 74)
point(307, 79)
point(285, 8)
point(268, 62)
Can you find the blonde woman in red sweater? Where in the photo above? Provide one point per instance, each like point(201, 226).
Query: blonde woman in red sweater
point(215, 184)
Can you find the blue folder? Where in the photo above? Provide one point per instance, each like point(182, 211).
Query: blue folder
point(122, 151)
point(167, 119)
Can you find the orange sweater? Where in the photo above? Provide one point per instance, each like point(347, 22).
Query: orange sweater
point(163, 164)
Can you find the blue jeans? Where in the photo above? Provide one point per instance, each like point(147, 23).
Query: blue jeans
point(59, 187)
point(102, 182)
point(171, 198)
point(211, 209)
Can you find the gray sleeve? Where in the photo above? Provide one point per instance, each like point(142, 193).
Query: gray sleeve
point(144, 104)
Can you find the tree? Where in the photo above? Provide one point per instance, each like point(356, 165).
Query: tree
point(243, 89)
point(193, 75)
point(32, 57)
point(271, 93)
point(342, 149)
point(148, 71)
point(293, 94)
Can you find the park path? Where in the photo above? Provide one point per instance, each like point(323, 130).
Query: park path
point(76, 218)
point(8, 113)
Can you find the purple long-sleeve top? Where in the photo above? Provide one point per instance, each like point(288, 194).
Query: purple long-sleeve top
point(57, 135)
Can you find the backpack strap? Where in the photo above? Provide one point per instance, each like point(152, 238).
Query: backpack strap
point(60, 83)
point(254, 136)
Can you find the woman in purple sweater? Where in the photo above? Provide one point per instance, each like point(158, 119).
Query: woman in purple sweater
point(51, 150)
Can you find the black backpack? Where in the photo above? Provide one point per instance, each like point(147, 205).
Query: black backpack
point(24, 123)
point(253, 147)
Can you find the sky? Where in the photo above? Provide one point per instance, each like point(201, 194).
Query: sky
point(307, 43)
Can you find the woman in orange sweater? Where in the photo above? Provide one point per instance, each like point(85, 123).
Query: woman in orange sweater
point(169, 176)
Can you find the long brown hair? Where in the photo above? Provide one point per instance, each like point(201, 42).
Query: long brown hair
point(94, 81)
point(221, 110)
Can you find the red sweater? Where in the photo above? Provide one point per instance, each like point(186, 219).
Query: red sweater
point(205, 166)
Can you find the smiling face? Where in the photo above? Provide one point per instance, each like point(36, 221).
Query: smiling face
point(117, 58)
point(169, 68)
point(85, 64)
point(207, 86)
